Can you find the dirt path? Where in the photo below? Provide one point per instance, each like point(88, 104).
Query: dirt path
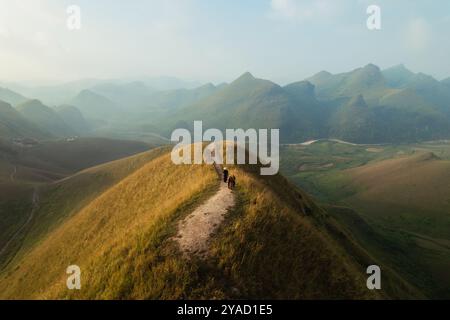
point(35, 203)
point(196, 229)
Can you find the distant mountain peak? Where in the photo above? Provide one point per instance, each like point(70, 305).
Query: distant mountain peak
point(320, 76)
point(373, 67)
point(208, 85)
point(246, 76)
point(400, 66)
point(324, 73)
point(304, 89)
point(34, 101)
point(399, 69)
point(32, 104)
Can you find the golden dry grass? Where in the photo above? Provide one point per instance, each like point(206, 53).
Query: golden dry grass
point(108, 236)
point(274, 244)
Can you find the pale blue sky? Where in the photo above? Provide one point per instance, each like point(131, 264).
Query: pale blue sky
point(211, 40)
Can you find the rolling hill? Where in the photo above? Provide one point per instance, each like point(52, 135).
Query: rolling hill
point(25, 173)
point(275, 243)
point(45, 118)
point(410, 195)
point(392, 199)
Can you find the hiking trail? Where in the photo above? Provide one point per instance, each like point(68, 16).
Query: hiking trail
point(195, 231)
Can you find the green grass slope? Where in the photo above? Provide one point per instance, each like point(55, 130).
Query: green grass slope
point(65, 197)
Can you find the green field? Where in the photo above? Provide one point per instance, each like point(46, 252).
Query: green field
point(395, 200)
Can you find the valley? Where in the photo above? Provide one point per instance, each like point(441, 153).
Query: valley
point(86, 178)
point(26, 173)
point(394, 200)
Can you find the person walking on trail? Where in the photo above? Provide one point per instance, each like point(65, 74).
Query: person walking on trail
point(231, 182)
point(225, 175)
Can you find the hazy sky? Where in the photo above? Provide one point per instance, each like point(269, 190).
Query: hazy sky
point(217, 40)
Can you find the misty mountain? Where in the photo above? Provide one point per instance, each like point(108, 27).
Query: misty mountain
point(55, 94)
point(249, 102)
point(365, 105)
point(360, 106)
point(173, 100)
point(446, 82)
point(94, 105)
point(15, 125)
point(74, 118)
point(398, 76)
point(367, 81)
point(11, 97)
point(132, 95)
point(45, 118)
point(165, 83)
point(139, 97)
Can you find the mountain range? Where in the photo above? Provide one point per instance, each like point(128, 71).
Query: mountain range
point(365, 105)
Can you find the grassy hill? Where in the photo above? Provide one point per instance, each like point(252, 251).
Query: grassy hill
point(45, 118)
point(23, 171)
point(393, 199)
point(276, 243)
point(410, 195)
